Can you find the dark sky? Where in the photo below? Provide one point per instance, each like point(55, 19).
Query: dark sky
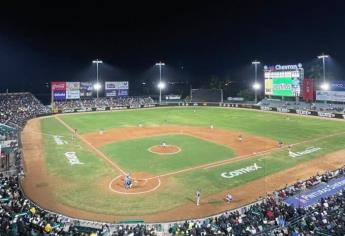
point(40, 42)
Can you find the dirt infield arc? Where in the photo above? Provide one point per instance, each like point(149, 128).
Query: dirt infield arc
point(38, 184)
point(250, 144)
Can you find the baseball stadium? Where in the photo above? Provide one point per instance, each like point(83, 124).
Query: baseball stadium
point(216, 118)
point(139, 161)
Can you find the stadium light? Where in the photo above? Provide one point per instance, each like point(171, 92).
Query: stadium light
point(160, 64)
point(256, 63)
point(256, 86)
point(97, 86)
point(97, 62)
point(161, 85)
point(324, 57)
point(325, 86)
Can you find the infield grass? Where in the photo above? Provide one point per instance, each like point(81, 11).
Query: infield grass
point(132, 155)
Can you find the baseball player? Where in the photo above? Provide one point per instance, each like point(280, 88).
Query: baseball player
point(240, 138)
point(228, 198)
point(197, 195)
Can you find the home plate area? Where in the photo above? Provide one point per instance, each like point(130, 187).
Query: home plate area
point(138, 183)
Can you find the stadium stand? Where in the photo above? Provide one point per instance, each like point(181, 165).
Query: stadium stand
point(17, 108)
point(104, 102)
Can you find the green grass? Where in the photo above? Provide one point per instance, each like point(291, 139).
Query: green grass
point(83, 188)
point(133, 155)
point(272, 125)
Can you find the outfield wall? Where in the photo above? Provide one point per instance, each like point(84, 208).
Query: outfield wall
point(229, 105)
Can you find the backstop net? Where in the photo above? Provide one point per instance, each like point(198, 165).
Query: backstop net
point(206, 95)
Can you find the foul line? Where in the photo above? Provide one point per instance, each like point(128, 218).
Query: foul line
point(101, 154)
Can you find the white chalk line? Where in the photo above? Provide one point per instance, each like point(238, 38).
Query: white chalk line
point(101, 154)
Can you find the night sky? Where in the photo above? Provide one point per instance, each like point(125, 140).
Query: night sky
point(41, 43)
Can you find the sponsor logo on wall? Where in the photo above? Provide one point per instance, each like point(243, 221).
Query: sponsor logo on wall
point(266, 108)
point(326, 114)
point(242, 171)
point(303, 112)
point(283, 110)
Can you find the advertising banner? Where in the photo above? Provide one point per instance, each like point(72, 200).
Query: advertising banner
point(314, 195)
point(287, 87)
point(110, 89)
point(110, 85)
point(72, 85)
point(335, 96)
point(122, 92)
point(338, 85)
point(268, 87)
point(59, 95)
point(110, 93)
point(116, 88)
point(121, 85)
point(72, 94)
point(85, 89)
point(308, 90)
point(58, 86)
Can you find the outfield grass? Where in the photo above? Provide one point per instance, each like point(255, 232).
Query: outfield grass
point(133, 155)
point(276, 126)
point(85, 189)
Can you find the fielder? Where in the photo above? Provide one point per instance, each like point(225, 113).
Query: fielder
point(240, 138)
point(197, 195)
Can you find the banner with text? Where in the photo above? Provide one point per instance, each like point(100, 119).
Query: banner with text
point(338, 85)
point(308, 90)
point(116, 88)
point(72, 90)
point(335, 96)
point(58, 86)
point(59, 95)
point(85, 89)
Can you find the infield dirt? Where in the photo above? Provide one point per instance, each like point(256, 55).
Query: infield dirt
point(39, 186)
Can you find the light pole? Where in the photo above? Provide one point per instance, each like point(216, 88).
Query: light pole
point(323, 57)
point(160, 64)
point(256, 63)
point(97, 62)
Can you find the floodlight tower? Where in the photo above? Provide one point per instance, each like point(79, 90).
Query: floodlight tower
point(256, 86)
point(98, 85)
point(324, 57)
point(160, 64)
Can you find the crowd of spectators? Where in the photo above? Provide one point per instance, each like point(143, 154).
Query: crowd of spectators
point(17, 108)
point(104, 102)
point(272, 216)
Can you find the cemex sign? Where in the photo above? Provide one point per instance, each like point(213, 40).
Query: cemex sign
point(314, 195)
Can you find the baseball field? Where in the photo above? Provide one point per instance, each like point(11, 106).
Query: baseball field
point(75, 163)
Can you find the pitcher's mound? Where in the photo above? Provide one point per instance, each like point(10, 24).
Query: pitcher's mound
point(165, 149)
